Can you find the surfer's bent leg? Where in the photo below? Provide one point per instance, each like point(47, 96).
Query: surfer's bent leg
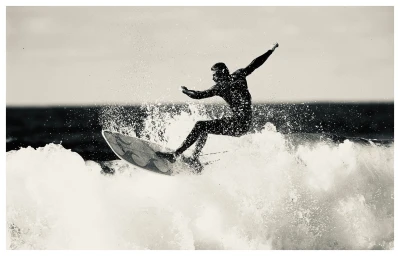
point(201, 142)
point(224, 126)
point(198, 131)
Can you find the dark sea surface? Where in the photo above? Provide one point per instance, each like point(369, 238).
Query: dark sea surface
point(79, 128)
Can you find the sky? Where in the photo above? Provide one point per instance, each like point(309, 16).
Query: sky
point(131, 55)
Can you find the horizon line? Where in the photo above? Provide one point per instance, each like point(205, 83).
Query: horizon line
point(187, 103)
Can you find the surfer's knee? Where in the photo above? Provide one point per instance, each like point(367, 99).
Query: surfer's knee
point(200, 125)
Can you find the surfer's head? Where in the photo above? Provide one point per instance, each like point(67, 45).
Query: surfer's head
point(220, 72)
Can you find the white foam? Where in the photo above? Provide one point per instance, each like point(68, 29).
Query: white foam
point(262, 194)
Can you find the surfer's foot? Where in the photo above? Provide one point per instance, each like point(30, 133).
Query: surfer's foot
point(171, 157)
point(194, 163)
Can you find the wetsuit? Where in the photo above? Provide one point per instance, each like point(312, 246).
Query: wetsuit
point(235, 92)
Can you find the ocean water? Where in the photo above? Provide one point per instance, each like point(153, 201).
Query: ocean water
point(307, 176)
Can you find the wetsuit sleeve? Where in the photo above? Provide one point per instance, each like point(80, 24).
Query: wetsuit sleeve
point(213, 91)
point(256, 63)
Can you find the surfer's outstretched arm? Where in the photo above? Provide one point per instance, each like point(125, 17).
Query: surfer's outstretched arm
point(256, 63)
point(199, 94)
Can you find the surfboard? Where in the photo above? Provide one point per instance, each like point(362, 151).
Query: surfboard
point(138, 152)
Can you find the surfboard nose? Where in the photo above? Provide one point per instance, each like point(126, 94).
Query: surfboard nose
point(106, 133)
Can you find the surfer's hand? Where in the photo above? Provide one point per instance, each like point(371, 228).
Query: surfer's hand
point(274, 46)
point(191, 94)
point(187, 91)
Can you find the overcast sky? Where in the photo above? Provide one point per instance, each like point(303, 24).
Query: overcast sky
point(129, 55)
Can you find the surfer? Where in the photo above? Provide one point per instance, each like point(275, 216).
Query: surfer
point(233, 89)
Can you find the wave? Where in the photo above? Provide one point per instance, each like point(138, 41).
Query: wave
point(269, 191)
